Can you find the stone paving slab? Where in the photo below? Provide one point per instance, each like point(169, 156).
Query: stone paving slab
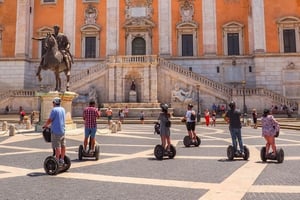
point(127, 168)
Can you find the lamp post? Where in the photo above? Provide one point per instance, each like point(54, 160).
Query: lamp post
point(244, 101)
point(198, 104)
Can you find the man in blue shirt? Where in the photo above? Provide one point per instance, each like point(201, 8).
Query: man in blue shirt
point(57, 121)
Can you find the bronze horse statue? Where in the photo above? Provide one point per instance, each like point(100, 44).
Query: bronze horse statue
point(54, 60)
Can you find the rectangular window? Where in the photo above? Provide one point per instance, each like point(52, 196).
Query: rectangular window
point(233, 44)
point(48, 1)
point(90, 47)
point(187, 45)
point(289, 40)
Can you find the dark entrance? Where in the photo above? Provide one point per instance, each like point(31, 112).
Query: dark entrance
point(138, 46)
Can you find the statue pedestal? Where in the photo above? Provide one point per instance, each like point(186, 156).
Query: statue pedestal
point(47, 105)
point(132, 96)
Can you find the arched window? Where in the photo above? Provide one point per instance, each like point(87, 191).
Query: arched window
point(233, 38)
point(138, 46)
point(288, 28)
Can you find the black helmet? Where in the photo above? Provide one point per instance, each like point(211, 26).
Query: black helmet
point(232, 105)
point(266, 111)
point(190, 105)
point(164, 107)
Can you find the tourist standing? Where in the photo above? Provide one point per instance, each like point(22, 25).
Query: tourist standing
point(57, 121)
point(233, 117)
point(109, 114)
point(164, 121)
point(269, 128)
point(90, 116)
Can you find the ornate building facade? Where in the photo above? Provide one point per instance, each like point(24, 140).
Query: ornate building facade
point(218, 49)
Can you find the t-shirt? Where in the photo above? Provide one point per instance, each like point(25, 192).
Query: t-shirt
point(234, 118)
point(57, 117)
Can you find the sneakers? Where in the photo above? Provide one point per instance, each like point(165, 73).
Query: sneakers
point(61, 162)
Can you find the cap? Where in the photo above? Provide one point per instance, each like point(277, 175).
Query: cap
point(56, 101)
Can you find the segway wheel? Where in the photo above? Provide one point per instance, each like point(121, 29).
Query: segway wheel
point(198, 141)
point(263, 154)
point(159, 152)
point(280, 155)
point(186, 141)
point(246, 153)
point(51, 165)
point(80, 152)
point(172, 153)
point(67, 164)
point(97, 151)
point(230, 152)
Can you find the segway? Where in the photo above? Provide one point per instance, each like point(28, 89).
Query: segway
point(51, 165)
point(89, 153)
point(187, 141)
point(232, 153)
point(160, 152)
point(279, 155)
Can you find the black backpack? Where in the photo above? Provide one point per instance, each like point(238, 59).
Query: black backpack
point(193, 116)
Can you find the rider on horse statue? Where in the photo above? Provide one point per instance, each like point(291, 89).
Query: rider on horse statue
point(63, 46)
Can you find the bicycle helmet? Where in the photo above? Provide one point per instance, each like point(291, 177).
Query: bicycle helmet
point(232, 105)
point(164, 107)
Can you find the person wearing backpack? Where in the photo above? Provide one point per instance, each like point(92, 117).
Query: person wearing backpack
point(165, 124)
point(190, 118)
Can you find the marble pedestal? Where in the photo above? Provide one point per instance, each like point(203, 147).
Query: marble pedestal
point(132, 96)
point(47, 105)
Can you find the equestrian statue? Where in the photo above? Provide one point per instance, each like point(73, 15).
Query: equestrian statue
point(56, 57)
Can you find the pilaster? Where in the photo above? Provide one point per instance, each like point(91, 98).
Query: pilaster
point(112, 29)
point(69, 22)
point(209, 27)
point(258, 26)
point(164, 18)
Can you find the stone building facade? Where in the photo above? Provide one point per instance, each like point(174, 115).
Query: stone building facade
point(235, 44)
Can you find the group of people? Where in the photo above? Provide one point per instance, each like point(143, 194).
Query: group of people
point(90, 114)
point(210, 119)
point(270, 127)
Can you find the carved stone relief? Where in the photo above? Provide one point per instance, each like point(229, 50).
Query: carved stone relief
point(90, 14)
point(187, 11)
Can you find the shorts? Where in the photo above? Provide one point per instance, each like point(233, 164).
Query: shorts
point(109, 118)
point(190, 126)
point(58, 141)
point(90, 132)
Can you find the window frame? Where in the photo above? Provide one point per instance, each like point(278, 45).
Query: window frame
point(90, 30)
point(187, 28)
point(95, 47)
point(53, 2)
point(288, 23)
point(236, 28)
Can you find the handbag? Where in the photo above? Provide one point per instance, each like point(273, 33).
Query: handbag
point(47, 134)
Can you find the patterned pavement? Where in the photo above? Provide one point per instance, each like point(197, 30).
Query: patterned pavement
point(127, 168)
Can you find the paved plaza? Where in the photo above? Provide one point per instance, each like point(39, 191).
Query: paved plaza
point(127, 168)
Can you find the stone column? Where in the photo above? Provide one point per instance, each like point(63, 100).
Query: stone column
point(47, 105)
point(111, 83)
point(164, 18)
point(112, 28)
point(69, 25)
point(258, 26)
point(22, 28)
point(209, 27)
point(153, 83)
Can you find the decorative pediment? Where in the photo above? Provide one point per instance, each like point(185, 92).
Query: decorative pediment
point(44, 30)
point(291, 66)
point(140, 23)
point(187, 25)
point(233, 26)
point(288, 22)
point(90, 28)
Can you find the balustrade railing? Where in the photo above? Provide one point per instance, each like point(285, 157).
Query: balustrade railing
point(225, 90)
point(133, 59)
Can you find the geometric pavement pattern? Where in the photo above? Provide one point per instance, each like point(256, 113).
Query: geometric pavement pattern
point(127, 168)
